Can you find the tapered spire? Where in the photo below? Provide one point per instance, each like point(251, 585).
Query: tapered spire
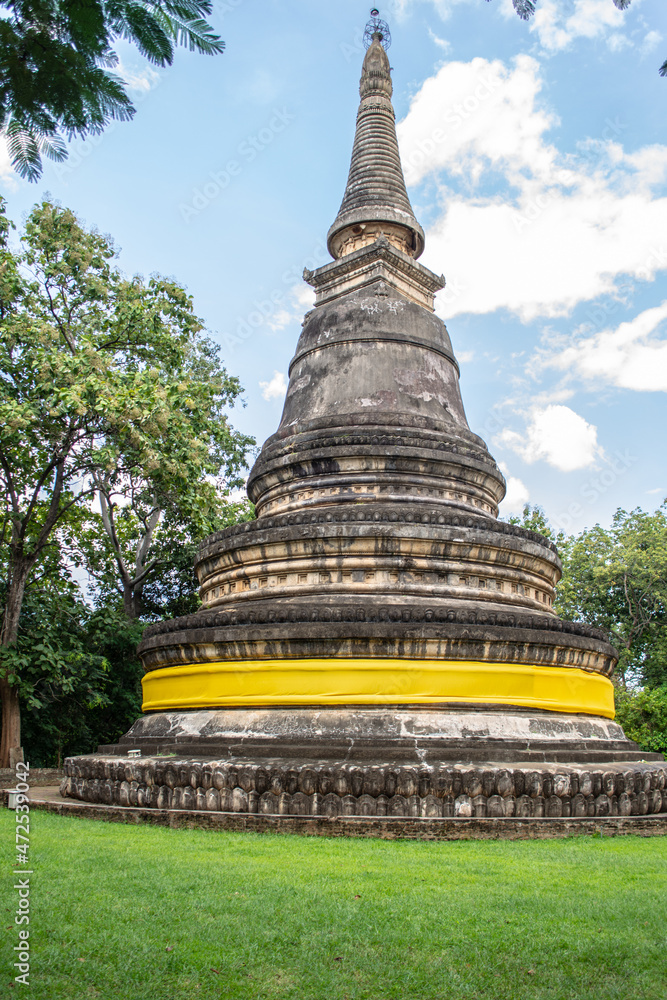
point(375, 199)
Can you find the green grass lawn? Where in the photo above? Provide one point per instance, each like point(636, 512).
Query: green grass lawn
point(145, 913)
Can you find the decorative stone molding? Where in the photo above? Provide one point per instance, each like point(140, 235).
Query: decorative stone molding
point(374, 259)
point(349, 790)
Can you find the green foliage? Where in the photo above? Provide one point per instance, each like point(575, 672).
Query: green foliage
point(106, 383)
point(169, 587)
point(102, 694)
point(534, 518)
point(139, 912)
point(617, 579)
point(173, 590)
point(55, 63)
point(102, 377)
point(75, 666)
point(643, 716)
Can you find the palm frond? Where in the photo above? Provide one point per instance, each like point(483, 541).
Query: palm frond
point(524, 8)
point(23, 146)
point(54, 147)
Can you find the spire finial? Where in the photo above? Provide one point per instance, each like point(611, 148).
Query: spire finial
point(377, 27)
point(375, 202)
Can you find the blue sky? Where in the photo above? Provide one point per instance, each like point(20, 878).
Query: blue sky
point(536, 159)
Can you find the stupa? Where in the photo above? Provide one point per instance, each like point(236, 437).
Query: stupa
point(376, 642)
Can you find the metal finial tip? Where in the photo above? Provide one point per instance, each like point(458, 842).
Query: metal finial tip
point(377, 29)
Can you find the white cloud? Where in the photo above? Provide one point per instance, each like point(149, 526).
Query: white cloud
point(558, 22)
point(477, 111)
point(633, 356)
point(555, 24)
point(138, 80)
point(557, 435)
point(276, 388)
point(530, 229)
point(651, 41)
point(7, 174)
point(300, 299)
point(517, 495)
point(442, 43)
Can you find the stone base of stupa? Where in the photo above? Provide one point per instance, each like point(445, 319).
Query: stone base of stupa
point(387, 761)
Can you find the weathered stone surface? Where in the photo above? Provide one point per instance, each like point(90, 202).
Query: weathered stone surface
point(349, 805)
point(213, 799)
point(367, 805)
point(479, 805)
point(431, 806)
point(331, 805)
point(504, 783)
point(143, 797)
point(494, 806)
point(300, 804)
point(420, 828)
point(124, 797)
point(440, 791)
point(509, 805)
point(554, 806)
point(239, 800)
point(268, 803)
point(308, 781)
point(226, 804)
point(463, 806)
point(472, 783)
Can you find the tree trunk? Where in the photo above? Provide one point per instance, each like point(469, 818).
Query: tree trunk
point(11, 722)
point(11, 709)
point(131, 601)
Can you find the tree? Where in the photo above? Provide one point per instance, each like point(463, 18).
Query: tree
point(617, 579)
point(75, 668)
point(526, 8)
point(143, 543)
point(75, 660)
point(643, 716)
point(101, 376)
point(56, 58)
point(534, 518)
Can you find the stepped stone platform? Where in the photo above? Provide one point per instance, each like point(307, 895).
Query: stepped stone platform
point(47, 799)
point(333, 789)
